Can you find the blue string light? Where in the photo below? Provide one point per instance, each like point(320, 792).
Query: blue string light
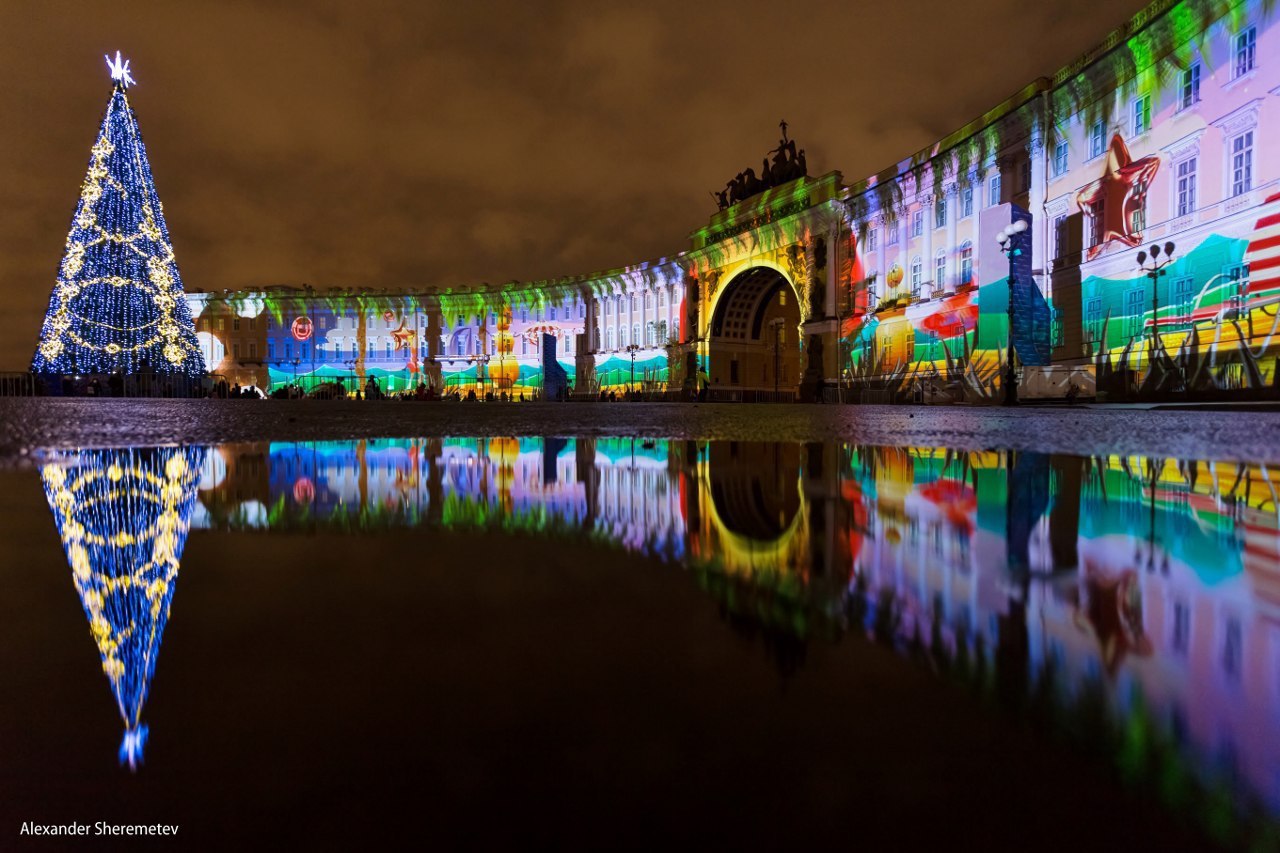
point(118, 304)
point(123, 517)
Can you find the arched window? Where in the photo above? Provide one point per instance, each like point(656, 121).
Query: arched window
point(917, 271)
point(940, 270)
point(966, 262)
point(622, 337)
point(635, 333)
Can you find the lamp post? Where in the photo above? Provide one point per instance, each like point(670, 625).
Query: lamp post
point(1154, 270)
point(1011, 244)
point(350, 365)
point(632, 349)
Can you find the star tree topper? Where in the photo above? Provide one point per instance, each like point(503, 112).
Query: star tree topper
point(120, 70)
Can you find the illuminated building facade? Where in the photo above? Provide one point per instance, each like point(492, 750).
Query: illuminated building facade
point(1028, 231)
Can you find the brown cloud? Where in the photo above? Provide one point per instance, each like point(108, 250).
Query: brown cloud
point(393, 143)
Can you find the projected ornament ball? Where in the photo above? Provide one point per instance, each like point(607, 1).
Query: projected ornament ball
point(895, 276)
point(302, 328)
point(388, 316)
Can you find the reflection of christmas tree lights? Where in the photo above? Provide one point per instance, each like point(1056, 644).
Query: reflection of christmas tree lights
point(123, 517)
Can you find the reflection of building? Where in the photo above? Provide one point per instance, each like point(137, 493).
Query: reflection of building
point(1115, 577)
point(123, 518)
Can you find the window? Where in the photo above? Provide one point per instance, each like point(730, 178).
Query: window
point(1024, 172)
point(1093, 319)
point(253, 350)
point(1138, 221)
point(222, 324)
point(892, 239)
point(1189, 87)
point(1242, 163)
point(235, 324)
point(1097, 222)
point(610, 338)
point(995, 190)
point(1187, 186)
point(1181, 628)
point(320, 321)
point(633, 302)
point(622, 337)
point(1184, 297)
point(1245, 52)
point(235, 351)
point(1232, 647)
point(940, 214)
point(388, 350)
point(1096, 135)
point(635, 334)
point(370, 321)
point(1059, 234)
point(917, 223)
point(1141, 115)
point(370, 347)
point(1134, 315)
point(1060, 159)
point(253, 323)
point(940, 270)
point(871, 240)
point(288, 349)
point(916, 270)
point(966, 202)
point(966, 263)
point(271, 349)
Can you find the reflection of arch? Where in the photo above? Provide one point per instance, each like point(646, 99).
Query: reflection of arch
point(753, 331)
point(757, 519)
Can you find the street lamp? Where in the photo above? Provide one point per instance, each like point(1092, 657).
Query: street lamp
point(1011, 240)
point(1154, 271)
point(633, 348)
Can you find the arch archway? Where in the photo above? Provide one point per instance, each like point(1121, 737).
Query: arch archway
point(753, 338)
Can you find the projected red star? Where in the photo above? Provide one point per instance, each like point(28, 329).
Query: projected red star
point(1119, 194)
point(403, 337)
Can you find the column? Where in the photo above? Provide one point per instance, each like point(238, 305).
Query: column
point(926, 251)
point(882, 271)
point(904, 238)
point(1040, 223)
point(953, 201)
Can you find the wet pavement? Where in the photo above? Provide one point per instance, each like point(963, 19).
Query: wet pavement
point(26, 424)
point(586, 639)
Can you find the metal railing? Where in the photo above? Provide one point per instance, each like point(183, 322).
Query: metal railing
point(25, 384)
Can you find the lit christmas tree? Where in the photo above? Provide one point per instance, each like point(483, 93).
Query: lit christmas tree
point(118, 303)
point(123, 517)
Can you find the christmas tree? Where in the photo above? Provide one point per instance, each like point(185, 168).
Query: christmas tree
point(118, 303)
point(123, 517)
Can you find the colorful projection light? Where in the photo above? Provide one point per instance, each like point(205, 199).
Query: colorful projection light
point(1115, 200)
point(118, 303)
point(123, 517)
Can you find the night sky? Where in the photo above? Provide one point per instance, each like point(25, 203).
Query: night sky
point(410, 143)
